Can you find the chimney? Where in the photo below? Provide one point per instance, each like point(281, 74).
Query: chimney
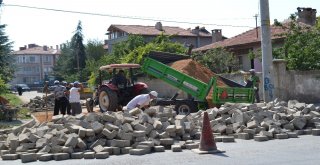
point(57, 47)
point(216, 35)
point(32, 45)
point(196, 30)
point(45, 48)
point(22, 48)
point(51, 47)
point(307, 15)
point(159, 26)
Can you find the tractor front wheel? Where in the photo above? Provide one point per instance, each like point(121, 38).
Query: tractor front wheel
point(108, 100)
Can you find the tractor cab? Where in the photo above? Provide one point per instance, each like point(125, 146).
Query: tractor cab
point(113, 94)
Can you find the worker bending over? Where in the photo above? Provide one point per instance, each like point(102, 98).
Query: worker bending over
point(141, 101)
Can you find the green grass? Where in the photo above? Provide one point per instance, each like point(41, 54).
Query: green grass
point(15, 101)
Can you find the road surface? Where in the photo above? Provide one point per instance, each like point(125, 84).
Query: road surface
point(299, 151)
point(26, 96)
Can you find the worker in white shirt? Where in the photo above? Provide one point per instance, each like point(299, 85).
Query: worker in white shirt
point(74, 98)
point(141, 101)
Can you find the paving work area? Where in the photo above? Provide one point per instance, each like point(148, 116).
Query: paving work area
point(97, 135)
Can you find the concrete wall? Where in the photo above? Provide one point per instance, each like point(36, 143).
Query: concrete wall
point(303, 86)
point(165, 90)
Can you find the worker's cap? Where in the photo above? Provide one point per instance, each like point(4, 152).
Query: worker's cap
point(154, 93)
point(64, 82)
point(76, 83)
point(251, 70)
point(56, 82)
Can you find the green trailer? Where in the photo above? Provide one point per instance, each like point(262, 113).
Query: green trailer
point(194, 87)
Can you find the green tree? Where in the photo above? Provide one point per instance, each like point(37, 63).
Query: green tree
point(78, 49)
point(125, 47)
point(65, 63)
point(160, 43)
point(7, 67)
point(301, 46)
point(94, 49)
point(218, 60)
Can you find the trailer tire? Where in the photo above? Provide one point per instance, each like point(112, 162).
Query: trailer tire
point(108, 100)
point(186, 107)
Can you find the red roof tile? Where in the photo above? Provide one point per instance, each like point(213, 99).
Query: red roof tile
point(152, 31)
point(247, 37)
point(37, 50)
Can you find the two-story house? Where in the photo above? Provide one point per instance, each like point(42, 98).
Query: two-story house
point(34, 63)
point(197, 37)
point(250, 40)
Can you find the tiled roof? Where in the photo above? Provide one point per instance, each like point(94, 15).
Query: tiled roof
point(247, 37)
point(37, 50)
point(152, 31)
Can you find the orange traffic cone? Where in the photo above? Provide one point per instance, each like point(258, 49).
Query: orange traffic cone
point(207, 144)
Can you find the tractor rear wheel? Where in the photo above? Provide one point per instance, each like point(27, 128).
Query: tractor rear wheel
point(108, 99)
point(185, 107)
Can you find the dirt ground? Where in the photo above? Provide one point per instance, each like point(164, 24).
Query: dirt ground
point(42, 116)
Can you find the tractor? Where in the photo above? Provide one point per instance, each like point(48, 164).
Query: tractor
point(111, 97)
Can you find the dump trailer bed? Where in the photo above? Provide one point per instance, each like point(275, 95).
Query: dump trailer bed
point(196, 88)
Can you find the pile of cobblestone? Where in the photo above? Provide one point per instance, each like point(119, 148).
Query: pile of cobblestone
point(38, 103)
point(98, 135)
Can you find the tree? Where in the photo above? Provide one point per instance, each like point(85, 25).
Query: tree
point(218, 60)
point(125, 47)
point(94, 49)
point(301, 46)
point(160, 43)
point(7, 67)
point(78, 50)
point(72, 61)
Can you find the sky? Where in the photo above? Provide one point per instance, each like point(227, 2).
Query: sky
point(51, 28)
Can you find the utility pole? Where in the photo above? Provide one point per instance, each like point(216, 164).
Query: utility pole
point(256, 17)
point(267, 68)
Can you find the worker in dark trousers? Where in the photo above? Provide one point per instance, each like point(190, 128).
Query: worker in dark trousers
point(59, 99)
point(67, 93)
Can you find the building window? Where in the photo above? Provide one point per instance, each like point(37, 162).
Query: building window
point(32, 59)
point(47, 58)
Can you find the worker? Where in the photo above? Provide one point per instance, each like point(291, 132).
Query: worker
point(59, 99)
point(120, 80)
point(141, 101)
point(254, 80)
point(74, 98)
point(67, 93)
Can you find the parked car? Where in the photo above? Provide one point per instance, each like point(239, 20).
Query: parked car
point(24, 87)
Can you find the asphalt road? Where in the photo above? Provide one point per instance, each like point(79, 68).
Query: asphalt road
point(26, 96)
point(300, 151)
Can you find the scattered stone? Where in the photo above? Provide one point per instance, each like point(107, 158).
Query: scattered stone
point(77, 155)
point(88, 155)
point(227, 139)
point(10, 157)
point(136, 152)
point(30, 157)
point(61, 156)
point(281, 136)
point(45, 157)
point(159, 148)
point(102, 155)
point(316, 132)
point(176, 148)
point(261, 138)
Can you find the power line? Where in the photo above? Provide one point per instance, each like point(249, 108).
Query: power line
point(123, 16)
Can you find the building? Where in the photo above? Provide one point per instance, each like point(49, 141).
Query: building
point(197, 37)
point(250, 40)
point(34, 64)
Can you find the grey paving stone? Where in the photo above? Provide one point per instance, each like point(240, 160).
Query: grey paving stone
point(45, 157)
point(61, 156)
point(30, 157)
point(176, 148)
point(77, 155)
point(102, 155)
point(88, 155)
point(261, 138)
point(159, 148)
point(10, 157)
